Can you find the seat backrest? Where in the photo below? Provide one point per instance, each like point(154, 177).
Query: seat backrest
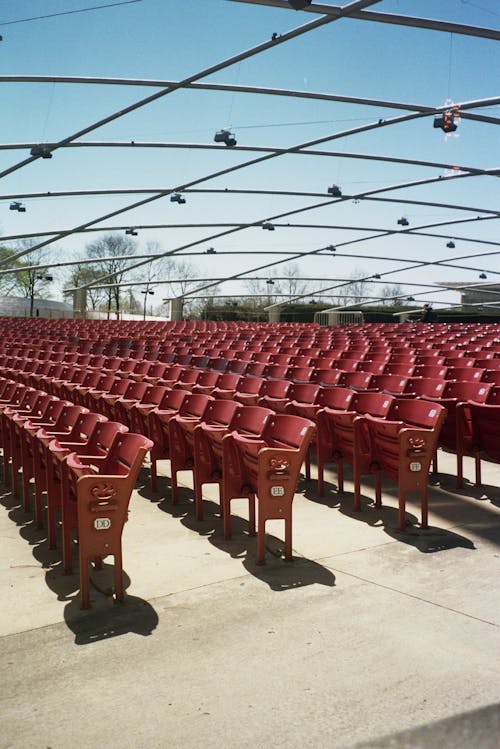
point(360, 380)
point(101, 438)
point(250, 385)
point(375, 404)
point(287, 431)
point(485, 420)
point(464, 373)
point(125, 455)
point(275, 388)
point(303, 392)
point(172, 399)
point(389, 383)
point(194, 405)
point(466, 391)
point(337, 398)
point(415, 412)
point(430, 386)
point(228, 381)
point(220, 412)
point(83, 427)
point(251, 420)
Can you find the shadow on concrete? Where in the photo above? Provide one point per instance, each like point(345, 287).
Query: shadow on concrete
point(276, 573)
point(107, 618)
point(466, 730)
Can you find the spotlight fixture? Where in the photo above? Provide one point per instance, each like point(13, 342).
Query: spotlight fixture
point(410, 298)
point(335, 191)
point(224, 136)
point(131, 231)
point(210, 251)
point(331, 248)
point(270, 282)
point(299, 4)
point(450, 244)
point(377, 275)
point(268, 226)
point(483, 275)
point(17, 206)
point(446, 122)
point(403, 221)
point(177, 198)
point(41, 150)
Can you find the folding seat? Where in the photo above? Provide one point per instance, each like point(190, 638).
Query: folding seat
point(201, 362)
point(462, 361)
point(491, 376)
point(95, 506)
point(76, 391)
point(274, 394)
point(216, 413)
point(32, 405)
point(456, 392)
point(387, 383)
point(355, 380)
point(155, 373)
point(171, 375)
point(430, 370)
point(489, 364)
point(347, 365)
point(104, 401)
point(299, 374)
point(276, 371)
point(373, 367)
point(478, 434)
point(43, 376)
point(417, 387)
point(217, 364)
point(300, 360)
point(463, 374)
point(401, 446)
point(206, 382)
point(256, 369)
point(325, 377)
point(262, 357)
point(119, 410)
point(89, 396)
point(265, 468)
point(405, 370)
point(138, 415)
point(237, 366)
point(184, 360)
point(249, 389)
point(187, 378)
point(336, 436)
point(158, 419)
point(227, 385)
point(209, 446)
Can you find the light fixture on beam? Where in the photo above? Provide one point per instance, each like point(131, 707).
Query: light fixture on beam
point(299, 4)
point(451, 245)
point(224, 136)
point(483, 275)
point(177, 198)
point(268, 226)
point(403, 221)
point(446, 122)
point(335, 191)
point(210, 251)
point(41, 150)
point(17, 206)
point(131, 231)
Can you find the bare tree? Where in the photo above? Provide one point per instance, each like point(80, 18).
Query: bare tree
point(31, 282)
point(112, 256)
point(83, 274)
point(392, 295)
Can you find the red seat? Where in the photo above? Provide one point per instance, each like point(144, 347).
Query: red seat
point(274, 394)
point(138, 415)
point(118, 409)
point(430, 370)
point(267, 468)
point(387, 383)
point(212, 412)
point(356, 380)
point(454, 393)
point(419, 386)
point(336, 436)
point(159, 417)
point(478, 433)
point(96, 505)
point(464, 374)
point(326, 376)
point(206, 382)
point(249, 389)
point(227, 385)
point(99, 439)
point(401, 446)
point(209, 446)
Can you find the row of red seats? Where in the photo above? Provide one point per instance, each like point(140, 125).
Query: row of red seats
point(86, 464)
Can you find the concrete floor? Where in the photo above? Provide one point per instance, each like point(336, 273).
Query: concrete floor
point(369, 638)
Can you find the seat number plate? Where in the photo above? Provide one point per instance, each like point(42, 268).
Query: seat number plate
point(415, 467)
point(277, 491)
point(102, 524)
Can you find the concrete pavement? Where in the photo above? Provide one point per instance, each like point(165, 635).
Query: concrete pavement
point(369, 638)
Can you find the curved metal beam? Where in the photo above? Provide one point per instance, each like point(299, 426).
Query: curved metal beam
point(392, 18)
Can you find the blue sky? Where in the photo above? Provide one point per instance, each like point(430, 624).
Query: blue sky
point(166, 40)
